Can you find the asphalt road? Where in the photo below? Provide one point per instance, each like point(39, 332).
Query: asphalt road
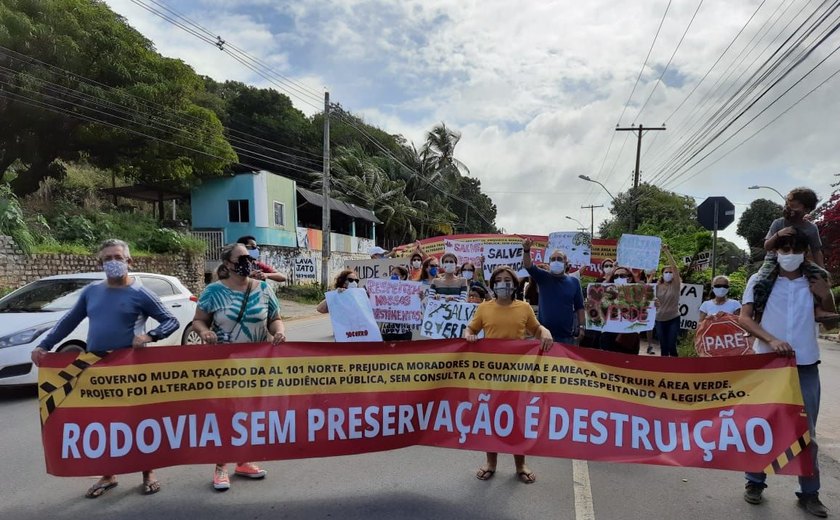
point(413, 483)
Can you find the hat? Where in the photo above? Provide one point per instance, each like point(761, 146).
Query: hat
point(376, 250)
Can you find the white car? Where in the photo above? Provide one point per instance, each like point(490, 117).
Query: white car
point(27, 314)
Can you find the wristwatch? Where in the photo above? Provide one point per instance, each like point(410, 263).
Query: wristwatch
point(153, 334)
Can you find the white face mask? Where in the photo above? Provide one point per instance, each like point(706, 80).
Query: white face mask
point(720, 292)
point(791, 261)
point(620, 281)
point(352, 285)
point(416, 264)
point(667, 276)
point(468, 275)
point(449, 268)
point(557, 267)
point(503, 290)
point(608, 271)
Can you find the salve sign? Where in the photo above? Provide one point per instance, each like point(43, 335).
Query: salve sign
point(150, 408)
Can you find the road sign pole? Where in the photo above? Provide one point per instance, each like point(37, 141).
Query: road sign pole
point(714, 244)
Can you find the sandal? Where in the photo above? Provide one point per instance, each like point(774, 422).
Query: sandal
point(527, 477)
point(100, 488)
point(485, 473)
point(150, 487)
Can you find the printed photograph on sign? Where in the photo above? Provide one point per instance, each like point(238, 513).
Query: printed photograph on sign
point(639, 252)
point(620, 308)
point(576, 246)
point(395, 301)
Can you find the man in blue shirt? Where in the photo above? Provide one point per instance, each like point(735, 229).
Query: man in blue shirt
point(560, 296)
point(117, 310)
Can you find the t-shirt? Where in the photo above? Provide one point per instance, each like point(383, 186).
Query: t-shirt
point(116, 315)
point(264, 268)
point(711, 308)
point(504, 321)
point(559, 298)
point(808, 228)
point(668, 295)
point(224, 304)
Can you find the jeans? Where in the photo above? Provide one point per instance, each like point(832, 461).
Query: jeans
point(809, 382)
point(668, 332)
point(570, 340)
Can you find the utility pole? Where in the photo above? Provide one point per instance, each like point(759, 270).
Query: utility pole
point(637, 172)
point(591, 209)
point(325, 215)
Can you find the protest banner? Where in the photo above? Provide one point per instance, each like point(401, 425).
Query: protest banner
point(304, 269)
point(352, 317)
point(436, 246)
point(395, 301)
point(698, 262)
point(691, 297)
point(447, 320)
point(374, 268)
point(465, 251)
point(502, 254)
point(575, 244)
point(721, 336)
point(620, 308)
point(136, 409)
point(601, 249)
point(638, 252)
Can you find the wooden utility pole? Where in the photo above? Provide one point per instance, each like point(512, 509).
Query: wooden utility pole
point(591, 209)
point(637, 172)
point(325, 215)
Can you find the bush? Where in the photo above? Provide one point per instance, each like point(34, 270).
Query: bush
point(12, 221)
point(310, 293)
point(164, 240)
point(685, 346)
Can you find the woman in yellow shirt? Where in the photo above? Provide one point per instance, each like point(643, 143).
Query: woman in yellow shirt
point(506, 318)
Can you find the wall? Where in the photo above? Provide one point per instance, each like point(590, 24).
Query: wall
point(17, 269)
point(283, 260)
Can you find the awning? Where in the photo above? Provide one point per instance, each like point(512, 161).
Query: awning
point(350, 210)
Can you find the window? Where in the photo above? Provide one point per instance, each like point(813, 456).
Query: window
point(159, 286)
point(279, 214)
point(238, 210)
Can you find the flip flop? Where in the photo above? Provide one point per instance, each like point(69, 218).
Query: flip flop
point(150, 487)
point(485, 473)
point(100, 488)
point(527, 477)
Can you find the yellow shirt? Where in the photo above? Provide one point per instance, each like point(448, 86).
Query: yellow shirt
point(504, 321)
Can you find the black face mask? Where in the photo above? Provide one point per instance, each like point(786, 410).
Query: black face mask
point(243, 266)
point(790, 214)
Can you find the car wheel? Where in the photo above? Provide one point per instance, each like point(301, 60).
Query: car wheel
point(191, 337)
point(72, 347)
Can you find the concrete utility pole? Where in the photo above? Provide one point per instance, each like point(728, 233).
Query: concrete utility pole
point(325, 215)
point(591, 209)
point(637, 173)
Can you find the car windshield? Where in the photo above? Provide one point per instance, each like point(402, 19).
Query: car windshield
point(45, 296)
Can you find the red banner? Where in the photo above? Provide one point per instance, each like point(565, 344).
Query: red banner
point(138, 409)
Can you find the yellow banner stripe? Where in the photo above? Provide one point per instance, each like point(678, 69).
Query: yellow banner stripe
point(56, 384)
point(789, 454)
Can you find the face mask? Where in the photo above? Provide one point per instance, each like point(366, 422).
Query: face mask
point(557, 267)
point(503, 290)
point(243, 267)
point(395, 277)
point(667, 276)
point(790, 262)
point(608, 271)
point(790, 214)
point(352, 285)
point(115, 268)
point(620, 280)
point(449, 268)
point(468, 275)
point(416, 264)
point(254, 253)
point(720, 292)
point(433, 271)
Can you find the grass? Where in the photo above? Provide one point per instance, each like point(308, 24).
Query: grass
point(685, 346)
point(310, 294)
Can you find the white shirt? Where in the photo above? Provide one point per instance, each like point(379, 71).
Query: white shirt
point(710, 307)
point(789, 316)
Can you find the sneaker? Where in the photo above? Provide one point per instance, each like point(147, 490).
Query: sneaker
point(753, 492)
point(250, 470)
point(221, 480)
point(812, 504)
point(650, 350)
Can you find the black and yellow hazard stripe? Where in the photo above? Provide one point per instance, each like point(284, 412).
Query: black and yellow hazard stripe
point(788, 455)
point(55, 387)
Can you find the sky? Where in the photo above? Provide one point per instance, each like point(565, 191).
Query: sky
point(537, 88)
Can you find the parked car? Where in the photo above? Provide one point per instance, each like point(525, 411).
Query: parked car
point(28, 313)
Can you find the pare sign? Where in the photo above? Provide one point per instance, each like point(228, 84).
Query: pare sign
point(720, 336)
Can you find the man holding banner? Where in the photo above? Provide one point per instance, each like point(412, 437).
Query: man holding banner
point(560, 296)
point(787, 327)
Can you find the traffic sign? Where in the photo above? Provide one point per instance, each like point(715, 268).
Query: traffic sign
point(714, 207)
point(721, 336)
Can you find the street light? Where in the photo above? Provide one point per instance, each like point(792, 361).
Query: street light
point(576, 220)
point(589, 179)
point(769, 188)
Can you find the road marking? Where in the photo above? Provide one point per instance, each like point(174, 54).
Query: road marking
point(584, 509)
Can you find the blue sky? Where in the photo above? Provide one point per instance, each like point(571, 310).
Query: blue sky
point(536, 88)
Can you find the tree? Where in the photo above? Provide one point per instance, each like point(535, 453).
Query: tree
point(658, 210)
point(828, 222)
point(754, 223)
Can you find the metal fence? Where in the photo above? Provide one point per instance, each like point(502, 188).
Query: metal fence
point(215, 240)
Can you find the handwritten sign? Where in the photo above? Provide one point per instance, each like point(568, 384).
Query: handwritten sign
point(575, 244)
point(352, 317)
point(465, 251)
point(620, 308)
point(502, 254)
point(395, 301)
point(639, 252)
point(304, 268)
point(691, 297)
point(374, 268)
point(447, 320)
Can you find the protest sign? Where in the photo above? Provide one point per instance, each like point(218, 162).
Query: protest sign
point(620, 308)
point(374, 268)
point(639, 252)
point(575, 244)
point(304, 268)
point(136, 409)
point(351, 316)
point(601, 250)
point(691, 297)
point(465, 251)
point(502, 254)
point(395, 301)
point(447, 320)
point(721, 336)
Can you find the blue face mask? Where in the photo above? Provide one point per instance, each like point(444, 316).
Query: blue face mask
point(254, 253)
point(395, 277)
point(433, 271)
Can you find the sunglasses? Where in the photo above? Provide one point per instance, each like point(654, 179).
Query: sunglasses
point(721, 286)
point(352, 280)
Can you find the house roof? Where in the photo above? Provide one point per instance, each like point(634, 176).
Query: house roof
point(350, 210)
point(146, 192)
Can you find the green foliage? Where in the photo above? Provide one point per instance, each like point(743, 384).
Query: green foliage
point(170, 241)
point(311, 294)
point(685, 345)
point(12, 221)
point(754, 223)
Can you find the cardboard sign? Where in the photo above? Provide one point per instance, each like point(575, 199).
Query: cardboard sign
point(720, 336)
point(575, 244)
point(602, 250)
point(502, 254)
point(304, 268)
point(699, 262)
point(639, 252)
point(395, 301)
point(691, 297)
point(447, 320)
point(352, 317)
point(465, 251)
point(620, 308)
point(374, 268)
